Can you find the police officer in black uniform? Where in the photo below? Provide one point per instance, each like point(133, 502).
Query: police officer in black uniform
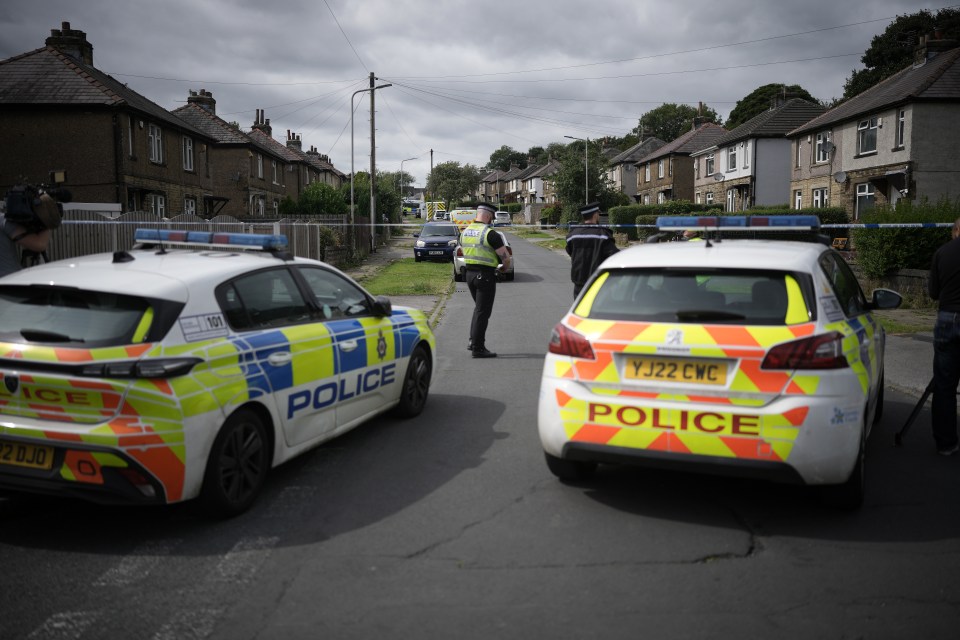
point(588, 245)
point(483, 253)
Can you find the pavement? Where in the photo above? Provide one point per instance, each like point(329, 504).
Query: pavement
point(909, 354)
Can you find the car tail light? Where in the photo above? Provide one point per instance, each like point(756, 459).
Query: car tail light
point(567, 342)
point(151, 368)
point(816, 352)
point(459, 252)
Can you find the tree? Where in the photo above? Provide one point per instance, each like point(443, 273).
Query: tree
point(670, 120)
point(893, 50)
point(503, 157)
point(451, 182)
point(761, 99)
point(537, 155)
point(569, 179)
point(322, 199)
point(387, 197)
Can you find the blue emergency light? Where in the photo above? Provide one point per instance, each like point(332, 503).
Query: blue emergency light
point(212, 239)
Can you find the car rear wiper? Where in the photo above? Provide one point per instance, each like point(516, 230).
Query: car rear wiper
point(39, 335)
point(695, 314)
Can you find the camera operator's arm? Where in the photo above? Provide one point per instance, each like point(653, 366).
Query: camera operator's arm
point(36, 241)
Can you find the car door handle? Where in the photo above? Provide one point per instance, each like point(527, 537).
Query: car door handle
point(348, 345)
point(280, 358)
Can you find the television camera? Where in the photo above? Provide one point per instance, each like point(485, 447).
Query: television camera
point(36, 207)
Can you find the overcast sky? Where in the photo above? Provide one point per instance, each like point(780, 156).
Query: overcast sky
point(468, 76)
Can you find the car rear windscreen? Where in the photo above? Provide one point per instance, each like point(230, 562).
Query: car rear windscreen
point(760, 297)
point(73, 317)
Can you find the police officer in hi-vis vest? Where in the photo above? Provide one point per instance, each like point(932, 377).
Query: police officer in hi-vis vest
point(483, 253)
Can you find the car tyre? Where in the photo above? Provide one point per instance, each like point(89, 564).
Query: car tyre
point(237, 466)
point(416, 258)
point(509, 276)
point(416, 384)
point(458, 275)
point(848, 496)
point(570, 470)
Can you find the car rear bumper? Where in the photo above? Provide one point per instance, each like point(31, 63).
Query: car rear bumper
point(812, 438)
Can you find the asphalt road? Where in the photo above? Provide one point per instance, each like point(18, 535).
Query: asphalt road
point(450, 526)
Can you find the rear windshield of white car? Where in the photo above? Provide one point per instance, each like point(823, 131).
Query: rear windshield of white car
point(78, 318)
point(761, 297)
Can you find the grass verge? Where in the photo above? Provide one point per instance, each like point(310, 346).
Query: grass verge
point(407, 277)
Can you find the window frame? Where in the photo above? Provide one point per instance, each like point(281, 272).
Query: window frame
point(732, 158)
point(187, 153)
point(869, 194)
point(798, 199)
point(155, 143)
point(821, 156)
point(710, 164)
point(901, 128)
point(820, 197)
point(867, 131)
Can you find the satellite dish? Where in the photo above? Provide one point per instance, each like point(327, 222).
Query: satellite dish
point(718, 177)
point(840, 176)
point(828, 147)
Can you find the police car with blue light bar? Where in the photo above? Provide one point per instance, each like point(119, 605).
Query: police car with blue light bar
point(190, 366)
point(752, 357)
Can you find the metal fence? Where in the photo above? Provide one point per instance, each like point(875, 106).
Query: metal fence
point(87, 232)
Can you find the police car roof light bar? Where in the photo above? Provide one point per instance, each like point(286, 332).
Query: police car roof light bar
point(260, 241)
point(758, 223)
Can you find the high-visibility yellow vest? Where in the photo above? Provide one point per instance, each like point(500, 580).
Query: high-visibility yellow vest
point(476, 250)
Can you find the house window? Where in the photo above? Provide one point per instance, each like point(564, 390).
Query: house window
point(661, 198)
point(259, 166)
point(670, 166)
point(190, 205)
point(273, 169)
point(646, 172)
point(276, 207)
point(798, 199)
point(158, 205)
point(709, 197)
point(130, 130)
point(660, 169)
point(696, 169)
point(731, 159)
point(867, 136)
point(822, 154)
point(797, 159)
point(901, 127)
point(710, 164)
point(697, 198)
point(155, 140)
point(820, 198)
point(646, 198)
point(865, 199)
point(187, 153)
point(746, 155)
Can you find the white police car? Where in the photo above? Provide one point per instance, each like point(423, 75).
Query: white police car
point(161, 374)
point(758, 358)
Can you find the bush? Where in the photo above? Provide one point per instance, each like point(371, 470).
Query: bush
point(881, 252)
point(551, 214)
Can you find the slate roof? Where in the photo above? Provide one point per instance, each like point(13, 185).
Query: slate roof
point(211, 124)
point(691, 141)
point(936, 79)
point(546, 170)
point(275, 147)
point(637, 151)
point(774, 123)
point(47, 76)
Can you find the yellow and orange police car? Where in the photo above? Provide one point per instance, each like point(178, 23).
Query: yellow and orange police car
point(752, 357)
point(190, 366)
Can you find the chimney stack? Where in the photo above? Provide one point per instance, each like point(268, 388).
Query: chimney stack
point(261, 124)
point(203, 99)
point(293, 141)
point(71, 42)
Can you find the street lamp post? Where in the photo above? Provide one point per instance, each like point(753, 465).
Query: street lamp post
point(353, 241)
point(586, 169)
point(401, 185)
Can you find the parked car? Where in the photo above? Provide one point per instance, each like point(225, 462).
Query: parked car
point(757, 358)
point(436, 242)
point(459, 266)
point(153, 376)
point(502, 219)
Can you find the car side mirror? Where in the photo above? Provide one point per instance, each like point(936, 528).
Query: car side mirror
point(382, 307)
point(885, 299)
